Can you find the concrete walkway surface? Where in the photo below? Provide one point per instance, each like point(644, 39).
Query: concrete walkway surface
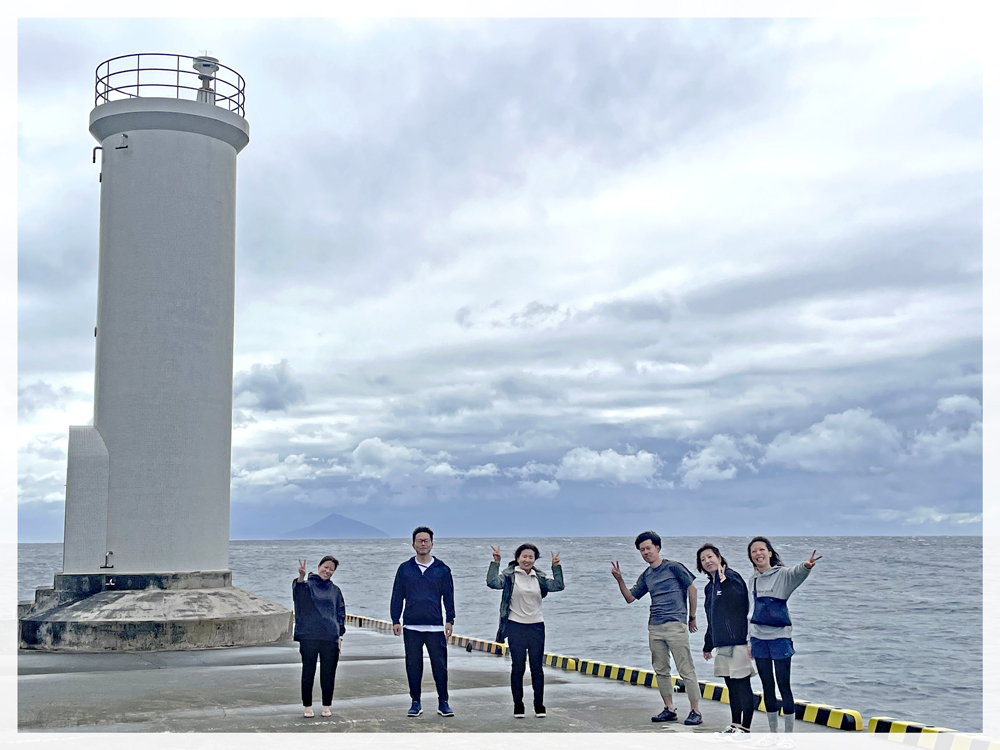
point(255, 689)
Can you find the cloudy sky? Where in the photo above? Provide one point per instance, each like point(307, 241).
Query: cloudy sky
point(557, 277)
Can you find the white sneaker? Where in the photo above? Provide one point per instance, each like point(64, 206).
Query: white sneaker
point(766, 741)
point(785, 743)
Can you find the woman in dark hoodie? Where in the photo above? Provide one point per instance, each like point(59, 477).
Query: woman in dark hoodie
point(319, 628)
point(726, 608)
point(524, 587)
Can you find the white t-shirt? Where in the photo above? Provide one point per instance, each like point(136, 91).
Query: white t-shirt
point(425, 628)
point(526, 598)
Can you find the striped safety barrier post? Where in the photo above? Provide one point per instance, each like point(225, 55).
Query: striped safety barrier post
point(829, 716)
point(887, 725)
point(567, 663)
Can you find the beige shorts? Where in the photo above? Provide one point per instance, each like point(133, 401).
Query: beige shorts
point(736, 666)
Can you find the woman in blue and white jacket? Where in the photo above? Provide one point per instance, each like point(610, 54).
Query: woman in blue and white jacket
point(770, 625)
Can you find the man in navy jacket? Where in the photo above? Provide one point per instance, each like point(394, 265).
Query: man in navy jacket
point(423, 582)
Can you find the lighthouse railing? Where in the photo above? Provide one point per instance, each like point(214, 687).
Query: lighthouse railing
point(148, 74)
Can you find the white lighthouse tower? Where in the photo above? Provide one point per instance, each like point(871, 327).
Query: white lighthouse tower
point(164, 375)
point(147, 488)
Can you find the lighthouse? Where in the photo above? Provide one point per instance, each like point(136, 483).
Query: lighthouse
point(147, 484)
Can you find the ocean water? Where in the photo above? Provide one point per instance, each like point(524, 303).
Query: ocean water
point(888, 626)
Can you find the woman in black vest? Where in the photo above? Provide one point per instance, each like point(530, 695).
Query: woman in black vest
point(726, 608)
point(524, 587)
point(319, 628)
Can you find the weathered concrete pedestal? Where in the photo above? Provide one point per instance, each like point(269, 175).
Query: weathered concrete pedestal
point(148, 612)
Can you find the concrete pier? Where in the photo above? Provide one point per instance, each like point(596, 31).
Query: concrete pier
point(256, 689)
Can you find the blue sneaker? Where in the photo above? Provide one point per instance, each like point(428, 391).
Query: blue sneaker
point(693, 719)
point(444, 709)
point(415, 710)
point(666, 715)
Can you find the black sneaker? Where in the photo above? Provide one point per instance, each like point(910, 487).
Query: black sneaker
point(539, 712)
point(693, 719)
point(666, 715)
point(518, 710)
point(444, 709)
point(415, 710)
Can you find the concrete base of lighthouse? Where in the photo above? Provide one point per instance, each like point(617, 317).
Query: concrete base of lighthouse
point(148, 612)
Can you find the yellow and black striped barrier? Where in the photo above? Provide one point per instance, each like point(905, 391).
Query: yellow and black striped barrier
point(383, 626)
point(469, 644)
point(713, 691)
point(478, 644)
point(562, 662)
point(884, 724)
point(631, 675)
point(828, 716)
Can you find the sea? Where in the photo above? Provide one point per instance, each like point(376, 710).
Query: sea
point(887, 626)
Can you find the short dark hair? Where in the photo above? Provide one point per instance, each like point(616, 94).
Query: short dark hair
point(422, 530)
point(523, 547)
point(702, 548)
point(651, 536)
point(330, 558)
point(775, 560)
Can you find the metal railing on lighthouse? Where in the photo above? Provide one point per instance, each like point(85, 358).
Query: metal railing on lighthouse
point(155, 74)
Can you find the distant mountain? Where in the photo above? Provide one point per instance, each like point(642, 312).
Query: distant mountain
point(336, 526)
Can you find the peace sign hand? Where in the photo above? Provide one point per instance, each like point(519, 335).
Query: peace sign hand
point(812, 560)
point(302, 570)
point(555, 559)
point(616, 572)
point(496, 553)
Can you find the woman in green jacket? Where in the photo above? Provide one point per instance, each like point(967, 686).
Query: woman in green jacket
point(521, 623)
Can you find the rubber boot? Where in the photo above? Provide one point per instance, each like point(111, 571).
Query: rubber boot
point(772, 721)
point(789, 722)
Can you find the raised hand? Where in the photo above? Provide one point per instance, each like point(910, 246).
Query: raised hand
point(496, 553)
point(722, 573)
point(302, 570)
point(616, 571)
point(812, 560)
point(555, 559)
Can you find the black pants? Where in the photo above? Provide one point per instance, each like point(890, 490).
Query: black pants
point(437, 650)
point(329, 654)
point(526, 640)
point(782, 670)
point(741, 700)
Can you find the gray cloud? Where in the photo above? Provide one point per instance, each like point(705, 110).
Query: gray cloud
point(270, 387)
point(41, 395)
point(850, 441)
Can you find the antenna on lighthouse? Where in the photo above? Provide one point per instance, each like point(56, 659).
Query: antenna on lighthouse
point(206, 67)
